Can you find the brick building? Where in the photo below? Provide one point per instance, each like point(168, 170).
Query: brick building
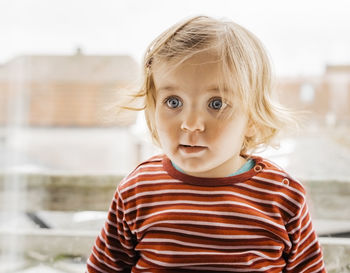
point(66, 91)
point(325, 97)
point(80, 91)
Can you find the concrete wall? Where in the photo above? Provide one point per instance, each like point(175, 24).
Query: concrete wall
point(38, 192)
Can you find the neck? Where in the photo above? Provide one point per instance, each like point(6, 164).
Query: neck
point(225, 169)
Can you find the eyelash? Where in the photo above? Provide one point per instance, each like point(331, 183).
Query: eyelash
point(223, 104)
point(168, 99)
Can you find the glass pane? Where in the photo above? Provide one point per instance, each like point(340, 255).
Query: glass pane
point(65, 66)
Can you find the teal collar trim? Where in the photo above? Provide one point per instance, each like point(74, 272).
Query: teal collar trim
point(246, 167)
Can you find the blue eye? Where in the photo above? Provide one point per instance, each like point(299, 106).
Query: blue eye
point(216, 104)
point(173, 102)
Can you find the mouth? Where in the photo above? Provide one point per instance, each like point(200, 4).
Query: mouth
point(190, 149)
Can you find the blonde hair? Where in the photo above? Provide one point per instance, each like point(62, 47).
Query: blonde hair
point(244, 66)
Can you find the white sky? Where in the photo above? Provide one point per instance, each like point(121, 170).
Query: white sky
point(302, 36)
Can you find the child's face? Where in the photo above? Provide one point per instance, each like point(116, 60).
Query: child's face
point(191, 131)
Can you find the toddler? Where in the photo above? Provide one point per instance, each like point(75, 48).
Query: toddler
point(208, 204)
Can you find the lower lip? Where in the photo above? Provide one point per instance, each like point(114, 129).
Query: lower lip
point(192, 149)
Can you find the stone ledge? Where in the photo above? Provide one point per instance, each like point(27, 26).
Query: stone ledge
point(328, 199)
point(49, 244)
point(336, 253)
point(57, 192)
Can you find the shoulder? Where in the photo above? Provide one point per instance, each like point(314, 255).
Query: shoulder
point(149, 169)
point(277, 178)
point(154, 161)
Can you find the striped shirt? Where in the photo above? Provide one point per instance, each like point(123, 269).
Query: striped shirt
point(162, 220)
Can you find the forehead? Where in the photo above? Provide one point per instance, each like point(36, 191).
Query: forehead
point(203, 69)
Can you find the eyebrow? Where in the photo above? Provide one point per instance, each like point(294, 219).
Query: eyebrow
point(168, 88)
point(213, 88)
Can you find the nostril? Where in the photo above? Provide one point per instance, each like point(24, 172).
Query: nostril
point(193, 125)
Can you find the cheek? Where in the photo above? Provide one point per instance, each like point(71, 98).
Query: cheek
point(166, 128)
point(228, 134)
point(165, 118)
point(161, 123)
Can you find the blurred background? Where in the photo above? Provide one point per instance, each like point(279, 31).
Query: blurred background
point(65, 65)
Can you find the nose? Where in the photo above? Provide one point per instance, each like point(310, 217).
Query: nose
point(192, 121)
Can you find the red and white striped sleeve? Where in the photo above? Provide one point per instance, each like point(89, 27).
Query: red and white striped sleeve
point(114, 247)
point(305, 256)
